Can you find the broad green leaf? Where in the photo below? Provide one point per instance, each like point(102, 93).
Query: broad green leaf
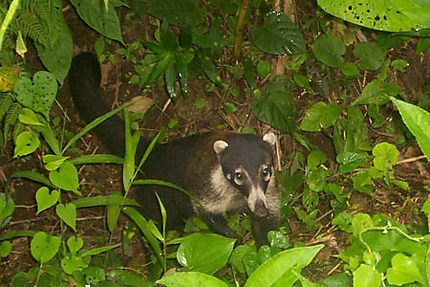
point(329, 49)
point(236, 258)
point(229, 108)
point(105, 21)
point(384, 152)
point(52, 162)
point(276, 106)
point(45, 199)
point(349, 69)
point(112, 214)
point(249, 73)
point(320, 116)
point(315, 158)
point(26, 143)
point(404, 270)
point(75, 244)
point(5, 248)
point(98, 250)
point(367, 276)
point(381, 15)
point(360, 223)
point(93, 275)
point(67, 213)
point(73, 263)
point(187, 279)
point(29, 117)
point(350, 160)
point(281, 269)
point(370, 55)
point(263, 68)
point(194, 254)
point(44, 247)
point(65, 177)
point(7, 206)
point(279, 35)
point(377, 92)
point(418, 122)
point(278, 239)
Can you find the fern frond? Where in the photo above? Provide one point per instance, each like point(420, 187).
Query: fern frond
point(32, 26)
point(6, 100)
point(11, 119)
point(17, 129)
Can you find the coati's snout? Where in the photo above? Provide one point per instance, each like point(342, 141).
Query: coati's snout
point(247, 164)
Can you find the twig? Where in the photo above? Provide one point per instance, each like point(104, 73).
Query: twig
point(411, 159)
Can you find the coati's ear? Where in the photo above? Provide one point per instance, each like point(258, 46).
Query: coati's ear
point(220, 146)
point(270, 138)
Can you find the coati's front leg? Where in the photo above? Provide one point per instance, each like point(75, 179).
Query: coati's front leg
point(217, 223)
point(260, 226)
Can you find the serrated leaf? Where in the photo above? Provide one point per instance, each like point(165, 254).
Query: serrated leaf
point(320, 115)
point(276, 106)
point(279, 35)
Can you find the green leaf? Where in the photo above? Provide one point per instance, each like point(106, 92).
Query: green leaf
point(418, 122)
point(282, 268)
point(277, 106)
point(360, 223)
point(5, 248)
point(98, 250)
point(404, 270)
point(377, 92)
point(187, 279)
point(200, 103)
point(93, 275)
point(236, 259)
point(45, 199)
point(279, 36)
point(44, 247)
point(67, 213)
point(400, 16)
point(370, 55)
point(97, 158)
point(57, 56)
point(384, 152)
point(26, 143)
point(113, 211)
point(28, 117)
point(315, 158)
point(350, 160)
point(426, 209)
point(102, 200)
point(32, 175)
point(65, 177)
point(75, 244)
point(229, 108)
point(249, 73)
point(329, 49)
point(73, 263)
point(362, 182)
point(263, 68)
point(399, 65)
point(105, 21)
point(349, 69)
point(320, 115)
point(194, 254)
point(37, 94)
point(53, 162)
point(367, 276)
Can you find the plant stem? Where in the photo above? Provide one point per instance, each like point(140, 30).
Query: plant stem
point(7, 19)
point(239, 27)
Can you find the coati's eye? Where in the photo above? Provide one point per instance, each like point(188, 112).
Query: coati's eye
point(239, 176)
point(266, 173)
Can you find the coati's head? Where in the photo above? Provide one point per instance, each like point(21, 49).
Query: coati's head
point(247, 164)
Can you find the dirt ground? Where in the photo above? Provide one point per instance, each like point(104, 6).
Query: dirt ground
point(103, 179)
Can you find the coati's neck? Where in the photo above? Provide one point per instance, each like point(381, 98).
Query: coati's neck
point(84, 80)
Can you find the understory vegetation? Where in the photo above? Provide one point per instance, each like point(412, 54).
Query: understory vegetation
point(344, 84)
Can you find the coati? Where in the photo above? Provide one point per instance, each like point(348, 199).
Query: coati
point(224, 171)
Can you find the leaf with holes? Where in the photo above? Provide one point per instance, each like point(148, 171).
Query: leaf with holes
point(37, 94)
point(25, 143)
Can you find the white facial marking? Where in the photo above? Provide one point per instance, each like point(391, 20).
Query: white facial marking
point(220, 146)
point(270, 138)
point(239, 175)
point(265, 172)
point(256, 194)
